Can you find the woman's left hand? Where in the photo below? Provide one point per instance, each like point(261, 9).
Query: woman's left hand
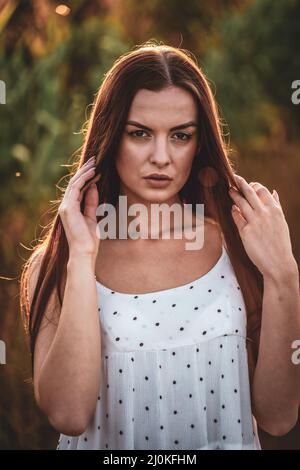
point(262, 227)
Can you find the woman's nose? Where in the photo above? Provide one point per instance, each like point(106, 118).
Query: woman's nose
point(160, 156)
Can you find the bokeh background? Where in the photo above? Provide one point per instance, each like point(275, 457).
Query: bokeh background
point(52, 60)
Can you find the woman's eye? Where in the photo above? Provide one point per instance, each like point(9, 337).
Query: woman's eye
point(185, 136)
point(134, 133)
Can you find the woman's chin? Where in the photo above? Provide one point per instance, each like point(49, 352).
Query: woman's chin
point(159, 196)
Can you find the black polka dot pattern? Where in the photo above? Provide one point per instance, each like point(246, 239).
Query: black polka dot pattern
point(174, 362)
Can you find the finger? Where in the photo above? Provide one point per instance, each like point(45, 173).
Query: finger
point(242, 203)
point(276, 196)
point(87, 185)
point(248, 192)
point(75, 187)
point(91, 202)
point(238, 218)
point(264, 194)
point(90, 163)
point(78, 175)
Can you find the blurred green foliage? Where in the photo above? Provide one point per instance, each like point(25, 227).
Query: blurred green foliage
point(53, 66)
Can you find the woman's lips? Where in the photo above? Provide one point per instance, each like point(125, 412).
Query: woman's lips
point(158, 183)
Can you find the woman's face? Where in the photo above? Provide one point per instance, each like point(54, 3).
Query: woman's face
point(151, 144)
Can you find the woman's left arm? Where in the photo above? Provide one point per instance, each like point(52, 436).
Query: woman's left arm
point(265, 236)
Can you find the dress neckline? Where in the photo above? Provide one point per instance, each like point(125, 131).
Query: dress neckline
point(200, 279)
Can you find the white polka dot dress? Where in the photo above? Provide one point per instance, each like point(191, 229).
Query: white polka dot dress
point(174, 369)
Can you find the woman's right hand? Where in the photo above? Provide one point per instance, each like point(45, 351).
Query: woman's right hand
point(80, 228)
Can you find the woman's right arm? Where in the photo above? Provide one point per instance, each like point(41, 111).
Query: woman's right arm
point(68, 348)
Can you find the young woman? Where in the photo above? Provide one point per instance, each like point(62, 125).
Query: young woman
point(140, 343)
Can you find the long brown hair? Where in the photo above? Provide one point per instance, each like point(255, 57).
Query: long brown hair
point(154, 67)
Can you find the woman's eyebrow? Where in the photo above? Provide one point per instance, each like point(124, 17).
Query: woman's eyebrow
point(181, 126)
